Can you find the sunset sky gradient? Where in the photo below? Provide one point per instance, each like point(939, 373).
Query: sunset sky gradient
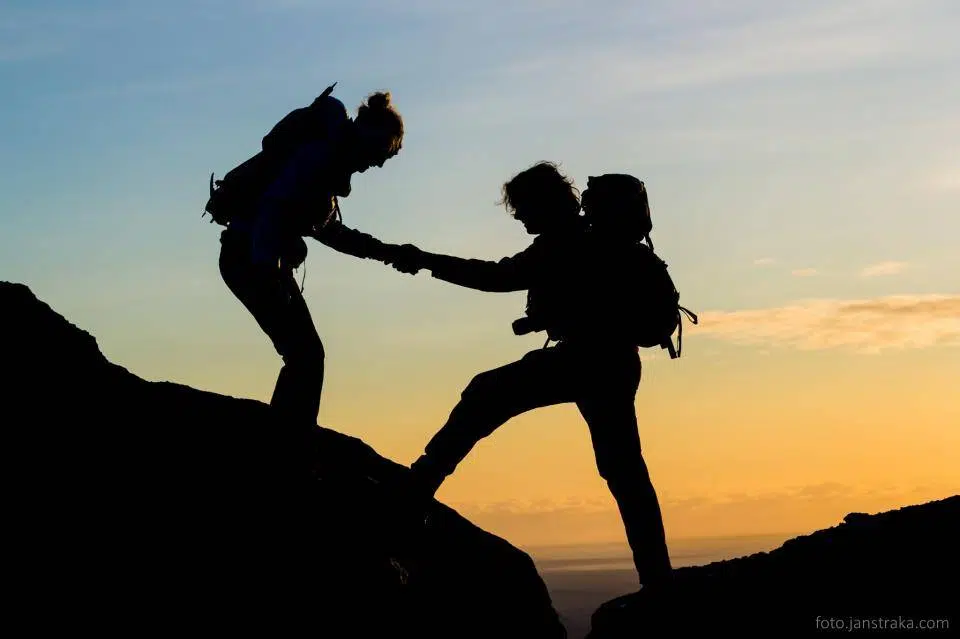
point(803, 169)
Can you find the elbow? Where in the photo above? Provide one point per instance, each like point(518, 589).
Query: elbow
point(507, 283)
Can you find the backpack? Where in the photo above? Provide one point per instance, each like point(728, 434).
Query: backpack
point(656, 314)
point(236, 195)
point(617, 205)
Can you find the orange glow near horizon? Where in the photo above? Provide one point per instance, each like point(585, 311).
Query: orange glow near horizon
point(737, 442)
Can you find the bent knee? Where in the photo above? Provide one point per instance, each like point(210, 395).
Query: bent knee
point(309, 354)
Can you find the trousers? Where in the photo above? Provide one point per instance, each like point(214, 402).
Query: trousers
point(602, 381)
point(272, 297)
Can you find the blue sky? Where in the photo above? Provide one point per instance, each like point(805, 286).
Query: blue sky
point(786, 147)
point(801, 158)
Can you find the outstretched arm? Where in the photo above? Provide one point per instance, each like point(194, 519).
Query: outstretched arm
point(351, 241)
point(508, 274)
point(511, 273)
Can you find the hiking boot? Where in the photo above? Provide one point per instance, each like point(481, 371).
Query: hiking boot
point(415, 495)
point(425, 478)
point(645, 610)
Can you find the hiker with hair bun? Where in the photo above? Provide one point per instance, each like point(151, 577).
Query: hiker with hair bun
point(578, 279)
point(284, 193)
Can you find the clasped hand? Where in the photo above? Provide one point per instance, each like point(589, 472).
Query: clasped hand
point(405, 258)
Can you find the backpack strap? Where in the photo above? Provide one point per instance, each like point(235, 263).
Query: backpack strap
point(336, 209)
point(668, 344)
point(692, 317)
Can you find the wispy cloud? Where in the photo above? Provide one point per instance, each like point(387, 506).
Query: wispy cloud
point(883, 268)
point(804, 272)
point(750, 43)
point(662, 49)
point(870, 325)
point(764, 261)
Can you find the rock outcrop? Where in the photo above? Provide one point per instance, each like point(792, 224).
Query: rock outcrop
point(145, 508)
point(891, 571)
point(138, 507)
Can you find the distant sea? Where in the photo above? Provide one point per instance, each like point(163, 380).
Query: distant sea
point(581, 577)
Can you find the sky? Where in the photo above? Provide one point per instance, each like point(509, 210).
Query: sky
point(803, 171)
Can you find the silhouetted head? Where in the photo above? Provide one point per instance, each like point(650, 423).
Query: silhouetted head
point(379, 132)
point(542, 198)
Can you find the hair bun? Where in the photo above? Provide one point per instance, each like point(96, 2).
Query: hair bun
point(379, 100)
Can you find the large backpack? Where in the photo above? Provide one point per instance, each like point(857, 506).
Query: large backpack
point(236, 195)
point(617, 207)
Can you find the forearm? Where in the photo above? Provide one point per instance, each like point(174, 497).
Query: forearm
point(350, 241)
point(481, 275)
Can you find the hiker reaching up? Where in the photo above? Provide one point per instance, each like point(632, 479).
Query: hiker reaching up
point(583, 275)
point(284, 193)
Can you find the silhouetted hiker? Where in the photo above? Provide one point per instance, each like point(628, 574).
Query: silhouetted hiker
point(282, 194)
point(580, 273)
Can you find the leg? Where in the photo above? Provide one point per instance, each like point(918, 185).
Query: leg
point(300, 382)
point(490, 400)
point(608, 408)
point(275, 301)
